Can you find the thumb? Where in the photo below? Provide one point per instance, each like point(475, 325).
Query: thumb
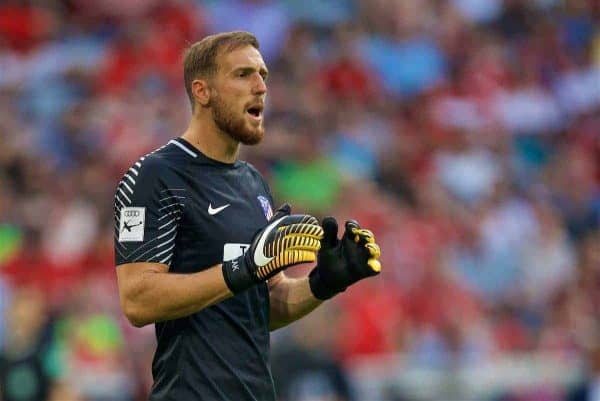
point(330, 229)
point(284, 210)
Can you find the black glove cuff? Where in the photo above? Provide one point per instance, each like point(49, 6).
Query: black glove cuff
point(237, 275)
point(319, 289)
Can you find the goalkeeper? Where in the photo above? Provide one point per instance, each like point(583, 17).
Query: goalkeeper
point(199, 251)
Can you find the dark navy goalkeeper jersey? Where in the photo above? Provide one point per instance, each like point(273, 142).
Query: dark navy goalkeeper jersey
point(178, 207)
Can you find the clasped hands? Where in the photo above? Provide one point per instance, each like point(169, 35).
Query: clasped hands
point(289, 239)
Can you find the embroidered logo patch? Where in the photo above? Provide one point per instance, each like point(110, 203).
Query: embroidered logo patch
point(266, 206)
point(131, 225)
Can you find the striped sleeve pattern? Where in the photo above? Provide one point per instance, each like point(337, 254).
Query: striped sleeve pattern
point(145, 190)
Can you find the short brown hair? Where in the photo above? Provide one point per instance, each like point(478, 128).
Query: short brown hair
point(200, 58)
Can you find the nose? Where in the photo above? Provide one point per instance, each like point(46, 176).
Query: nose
point(260, 86)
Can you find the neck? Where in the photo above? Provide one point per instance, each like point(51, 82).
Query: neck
point(206, 136)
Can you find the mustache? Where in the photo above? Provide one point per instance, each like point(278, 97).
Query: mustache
point(259, 102)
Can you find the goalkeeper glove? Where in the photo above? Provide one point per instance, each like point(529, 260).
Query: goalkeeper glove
point(341, 263)
point(286, 240)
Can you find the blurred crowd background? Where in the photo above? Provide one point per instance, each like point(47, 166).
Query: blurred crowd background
point(464, 133)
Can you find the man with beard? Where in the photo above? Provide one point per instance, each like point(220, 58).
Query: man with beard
point(199, 251)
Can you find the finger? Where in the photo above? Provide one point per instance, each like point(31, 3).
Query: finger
point(284, 260)
point(364, 235)
point(352, 225)
point(374, 265)
point(374, 250)
point(298, 219)
point(295, 257)
point(358, 234)
point(303, 244)
point(330, 230)
point(311, 230)
point(293, 242)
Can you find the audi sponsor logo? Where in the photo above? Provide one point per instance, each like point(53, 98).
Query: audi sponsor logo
point(132, 213)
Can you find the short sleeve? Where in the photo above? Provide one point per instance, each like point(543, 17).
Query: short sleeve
point(148, 207)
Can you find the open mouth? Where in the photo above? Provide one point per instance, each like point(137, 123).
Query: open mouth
point(255, 111)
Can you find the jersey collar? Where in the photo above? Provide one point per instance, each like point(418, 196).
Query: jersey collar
point(185, 146)
point(199, 156)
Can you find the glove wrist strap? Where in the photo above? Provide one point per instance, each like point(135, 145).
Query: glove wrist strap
point(237, 275)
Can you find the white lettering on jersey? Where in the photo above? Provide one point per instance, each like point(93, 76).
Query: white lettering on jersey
point(234, 251)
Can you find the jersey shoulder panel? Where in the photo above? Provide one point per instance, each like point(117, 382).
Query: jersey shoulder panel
point(149, 202)
point(143, 177)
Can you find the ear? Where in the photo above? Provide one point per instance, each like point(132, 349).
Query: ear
point(201, 91)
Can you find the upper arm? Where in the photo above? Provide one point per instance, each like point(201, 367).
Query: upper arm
point(130, 280)
point(130, 274)
point(147, 210)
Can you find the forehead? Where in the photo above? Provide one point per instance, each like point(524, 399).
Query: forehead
point(247, 56)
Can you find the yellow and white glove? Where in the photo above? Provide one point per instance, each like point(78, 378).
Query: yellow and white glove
point(285, 241)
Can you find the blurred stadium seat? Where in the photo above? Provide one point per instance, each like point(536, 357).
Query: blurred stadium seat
point(465, 133)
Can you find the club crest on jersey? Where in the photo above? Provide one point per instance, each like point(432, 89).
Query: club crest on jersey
point(266, 206)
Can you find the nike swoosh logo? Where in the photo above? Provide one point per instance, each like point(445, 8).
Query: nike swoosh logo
point(259, 256)
point(212, 211)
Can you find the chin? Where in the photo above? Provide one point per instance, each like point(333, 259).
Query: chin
point(252, 137)
point(240, 129)
point(250, 133)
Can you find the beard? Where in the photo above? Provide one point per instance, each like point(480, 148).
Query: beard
point(233, 124)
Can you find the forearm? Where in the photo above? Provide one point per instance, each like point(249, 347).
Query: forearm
point(157, 295)
point(291, 299)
